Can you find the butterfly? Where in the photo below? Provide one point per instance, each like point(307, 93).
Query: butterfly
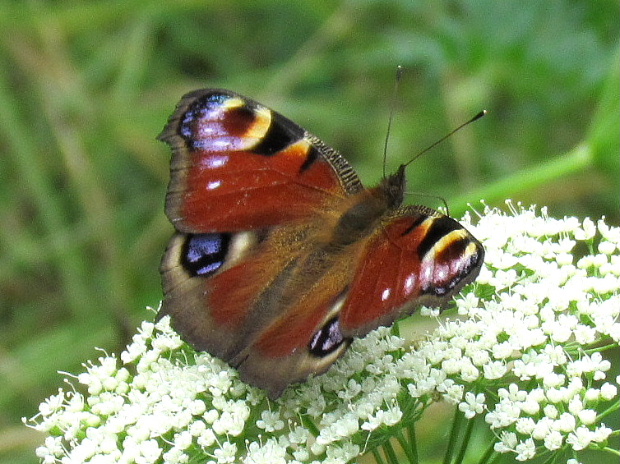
point(281, 256)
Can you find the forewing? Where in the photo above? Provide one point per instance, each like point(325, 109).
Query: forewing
point(238, 165)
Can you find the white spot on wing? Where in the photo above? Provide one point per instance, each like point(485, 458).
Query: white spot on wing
point(215, 162)
point(410, 283)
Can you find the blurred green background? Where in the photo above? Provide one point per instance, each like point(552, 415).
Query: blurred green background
point(86, 86)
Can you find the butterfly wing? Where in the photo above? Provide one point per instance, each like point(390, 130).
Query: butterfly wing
point(248, 189)
point(419, 257)
point(238, 166)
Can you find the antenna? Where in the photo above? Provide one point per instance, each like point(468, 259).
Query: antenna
point(433, 145)
point(399, 75)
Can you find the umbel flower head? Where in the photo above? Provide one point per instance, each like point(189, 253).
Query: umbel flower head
point(526, 356)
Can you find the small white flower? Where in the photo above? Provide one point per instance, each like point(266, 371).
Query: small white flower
point(575, 405)
point(587, 416)
point(341, 454)
point(269, 453)
point(580, 438)
point(495, 370)
point(587, 230)
point(525, 426)
point(175, 455)
point(608, 391)
point(553, 440)
point(473, 404)
point(504, 414)
point(551, 411)
point(270, 421)
point(508, 442)
point(565, 423)
point(226, 453)
point(381, 417)
point(601, 433)
point(542, 428)
point(608, 233)
point(503, 350)
point(525, 450)
point(206, 439)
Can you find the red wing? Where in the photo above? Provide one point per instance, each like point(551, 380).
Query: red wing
point(418, 258)
point(240, 166)
point(210, 304)
point(265, 315)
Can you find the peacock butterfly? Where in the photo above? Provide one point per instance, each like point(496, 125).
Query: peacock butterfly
point(280, 255)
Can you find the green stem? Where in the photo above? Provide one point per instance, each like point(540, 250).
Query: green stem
point(454, 433)
point(413, 442)
point(465, 441)
point(390, 453)
point(377, 456)
point(611, 450)
point(407, 448)
point(572, 162)
point(490, 451)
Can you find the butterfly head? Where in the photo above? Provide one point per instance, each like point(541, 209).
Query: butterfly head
point(393, 188)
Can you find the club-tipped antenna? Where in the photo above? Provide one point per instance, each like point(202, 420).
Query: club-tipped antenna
point(399, 74)
point(434, 144)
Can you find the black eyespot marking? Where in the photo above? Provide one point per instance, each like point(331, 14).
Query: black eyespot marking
point(453, 267)
point(281, 134)
point(440, 227)
point(203, 254)
point(328, 339)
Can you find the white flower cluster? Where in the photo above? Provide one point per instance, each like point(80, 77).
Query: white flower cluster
point(551, 317)
point(159, 411)
point(170, 409)
point(526, 354)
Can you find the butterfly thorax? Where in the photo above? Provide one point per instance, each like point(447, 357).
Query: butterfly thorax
point(365, 210)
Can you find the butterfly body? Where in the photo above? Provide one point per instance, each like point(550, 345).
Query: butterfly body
point(281, 256)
